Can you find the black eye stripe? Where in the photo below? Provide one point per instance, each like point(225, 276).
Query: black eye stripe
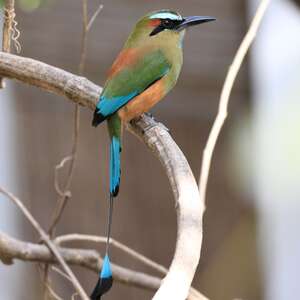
point(169, 24)
point(166, 24)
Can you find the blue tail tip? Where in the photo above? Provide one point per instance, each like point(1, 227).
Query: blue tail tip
point(105, 280)
point(106, 269)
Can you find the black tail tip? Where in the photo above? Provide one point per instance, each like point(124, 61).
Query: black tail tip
point(103, 286)
point(114, 193)
point(98, 118)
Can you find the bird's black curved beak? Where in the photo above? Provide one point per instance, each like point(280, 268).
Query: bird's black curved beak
point(193, 20)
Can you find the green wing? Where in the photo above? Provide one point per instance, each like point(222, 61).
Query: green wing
point(130, 82)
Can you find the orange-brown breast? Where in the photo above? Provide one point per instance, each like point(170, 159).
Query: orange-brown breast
point(143, 102)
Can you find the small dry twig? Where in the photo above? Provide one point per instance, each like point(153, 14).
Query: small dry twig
point(225, 95)
point(99, 239)
point(45, 238)
point(65, 193)
point(10, 30)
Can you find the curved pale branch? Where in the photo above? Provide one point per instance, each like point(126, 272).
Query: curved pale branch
point(188, 205)
point(187, 201)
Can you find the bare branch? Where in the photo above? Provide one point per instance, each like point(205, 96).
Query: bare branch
point(225, 95)
point(94, 16)
point(11, 249)
point(75, 88)
point(58, 190)
point(100, 239)
point(53, 294)
point(65, 194)
point(52, 247)
point(9, 10)
point(86, 26)
point(189, 207)
point(83, 37)
point(61, 273)
point(194, 294)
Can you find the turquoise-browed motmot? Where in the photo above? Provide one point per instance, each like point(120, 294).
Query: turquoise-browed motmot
point(143, 73)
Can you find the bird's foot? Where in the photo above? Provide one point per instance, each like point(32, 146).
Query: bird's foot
point(149, 114)
point(150, 124)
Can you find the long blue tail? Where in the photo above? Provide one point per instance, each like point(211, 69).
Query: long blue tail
point(105, 280)
point(115, 165)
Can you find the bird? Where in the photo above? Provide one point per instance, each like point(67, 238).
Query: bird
point(143, 73)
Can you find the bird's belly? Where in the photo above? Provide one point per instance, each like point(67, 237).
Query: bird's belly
point(143, 102)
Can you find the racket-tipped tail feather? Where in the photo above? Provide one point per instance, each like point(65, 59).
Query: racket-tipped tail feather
point(105, 280)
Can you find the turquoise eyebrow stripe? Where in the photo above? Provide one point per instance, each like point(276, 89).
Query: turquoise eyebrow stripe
point(166, 15)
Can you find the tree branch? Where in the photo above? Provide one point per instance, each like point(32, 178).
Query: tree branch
point(11, 248)
point(187, 201)
point(188, 205)
point(9, 9)
point(101, 239)
point(75, 88)
point(52, 247)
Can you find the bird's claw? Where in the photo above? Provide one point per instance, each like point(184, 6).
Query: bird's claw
point(149, 114)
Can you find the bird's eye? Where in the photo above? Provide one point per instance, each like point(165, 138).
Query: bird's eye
point(167, 23)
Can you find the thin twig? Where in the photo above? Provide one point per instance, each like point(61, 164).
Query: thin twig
point(74, 296)
point(65, 193)
point(58, 190)
point(94, 16)
point(52, 247)
point(53, 294)
point(61, 273)
point(99, 239)
point(9, 7)
point(83, 37)
point(225, 95)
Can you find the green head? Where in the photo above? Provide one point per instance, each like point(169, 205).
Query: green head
point(164, 26)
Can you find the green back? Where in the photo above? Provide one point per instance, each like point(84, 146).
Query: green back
point(134, 79)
